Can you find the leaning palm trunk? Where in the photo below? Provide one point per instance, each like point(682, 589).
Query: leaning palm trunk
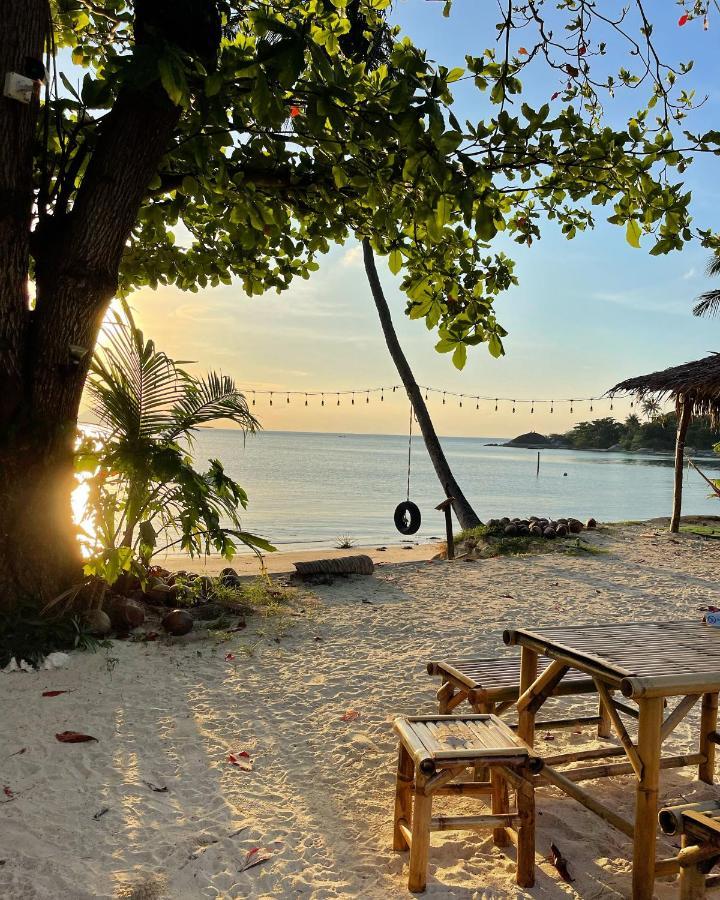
point(466, 515)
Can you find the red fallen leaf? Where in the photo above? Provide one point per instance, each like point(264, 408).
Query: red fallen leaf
point(548, 737)
point(294, 111)
point(151, 636)
point(254, 857)
point(8, 792)
point(582, 49)
point(74, 737)
point(523, 51)
point(350, 716)
point(234, 760)
point(229, 657)
point(683, 20)
point(54, 693)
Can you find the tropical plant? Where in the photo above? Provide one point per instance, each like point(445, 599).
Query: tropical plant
point(651, 408)
point(708, 304)
point(145, 494)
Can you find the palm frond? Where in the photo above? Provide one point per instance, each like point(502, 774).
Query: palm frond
point(133, 386)
point(713, 266)
point(708, 304)
point(207, 399)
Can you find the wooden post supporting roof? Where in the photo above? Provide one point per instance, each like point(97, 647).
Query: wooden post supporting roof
point(683, 406)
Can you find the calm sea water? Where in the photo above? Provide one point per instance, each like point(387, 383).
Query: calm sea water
point(306, 490)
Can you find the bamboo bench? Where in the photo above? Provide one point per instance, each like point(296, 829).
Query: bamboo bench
point(493, 686)
point(699, 826)
point(434, 752)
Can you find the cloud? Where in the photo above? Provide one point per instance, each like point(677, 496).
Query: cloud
point(691, 273)
point(641, 301)
point(351, 257)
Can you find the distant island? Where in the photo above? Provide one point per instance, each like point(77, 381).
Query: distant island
point(655, 435)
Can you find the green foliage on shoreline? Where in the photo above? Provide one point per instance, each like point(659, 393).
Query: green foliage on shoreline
point(657, 433)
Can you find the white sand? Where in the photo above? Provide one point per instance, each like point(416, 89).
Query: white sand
point(319, 797)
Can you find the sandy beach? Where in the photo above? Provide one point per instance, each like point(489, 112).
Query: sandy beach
point(87, 821)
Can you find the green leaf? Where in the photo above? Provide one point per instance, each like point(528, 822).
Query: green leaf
point(395, 261)
point(172, 79)
point(632, 233)
point(459, 356)
point(454, 75)
point(495, 346)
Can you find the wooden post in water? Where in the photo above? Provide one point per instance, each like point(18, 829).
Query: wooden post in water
point(684, 412)
point(446, 507)
point(537, 471)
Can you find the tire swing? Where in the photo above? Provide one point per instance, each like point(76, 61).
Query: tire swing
point(407, 514)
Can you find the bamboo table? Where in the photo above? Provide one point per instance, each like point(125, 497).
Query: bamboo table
point(647, 663)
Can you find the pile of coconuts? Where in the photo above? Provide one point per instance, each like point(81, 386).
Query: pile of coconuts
point(534, 526)
point(177, 599)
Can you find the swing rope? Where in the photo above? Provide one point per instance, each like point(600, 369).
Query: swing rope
point(409, 451)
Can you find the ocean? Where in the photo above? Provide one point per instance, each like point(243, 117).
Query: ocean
point(310, 490)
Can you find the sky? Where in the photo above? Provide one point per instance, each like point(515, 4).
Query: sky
point(586, 314)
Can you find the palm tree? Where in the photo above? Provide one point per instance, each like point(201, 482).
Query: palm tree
point(651, 408)
point(144, 482)
point(466, 515)
point(709, 303)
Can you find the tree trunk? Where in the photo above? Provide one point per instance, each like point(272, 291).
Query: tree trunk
point(683, 407)
point(466, 515)
point(45, 352)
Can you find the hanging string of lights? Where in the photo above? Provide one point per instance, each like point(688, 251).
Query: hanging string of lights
point(334, 397)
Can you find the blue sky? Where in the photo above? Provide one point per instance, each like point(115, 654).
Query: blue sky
point(586, 313)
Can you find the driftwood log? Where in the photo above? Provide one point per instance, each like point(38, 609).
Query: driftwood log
point(343, 565)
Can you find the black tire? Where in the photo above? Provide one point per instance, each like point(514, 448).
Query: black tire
point(407, 517)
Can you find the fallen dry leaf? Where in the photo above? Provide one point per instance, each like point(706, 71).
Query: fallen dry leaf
point(74, 737)
point(54, 693)
point(154, 787)
point(350, 716)
point(241, 761)
point(254, 857)
point(560, 863)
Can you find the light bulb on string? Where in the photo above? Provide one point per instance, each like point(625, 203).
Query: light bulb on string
point(551, 405)
point(352, 401)
point(611, 404)
point(496, 403)
point(443, 398)
point(394, 388)
point(477, 403)
point(288, 398)
point(571, 406)
point(253, 398)
point(591, 407)
point(513, 406)
point(306, 400)
point(338, 399)
point(367, 399)
point(382, 395)
point(461, 403)
point(532, 407)
point(322, 402)
point(271, 393)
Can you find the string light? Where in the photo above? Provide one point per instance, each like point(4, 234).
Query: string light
point(427, 391)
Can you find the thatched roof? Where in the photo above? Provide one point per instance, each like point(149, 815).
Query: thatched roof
point(698, 382)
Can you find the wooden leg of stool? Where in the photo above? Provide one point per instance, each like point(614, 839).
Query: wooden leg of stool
point(444, 696)
point(526, 833)
point(420, 847)
point(604, 729)
point(403, 796)
point(692, 878)
point(500, 804)
point(480, 772)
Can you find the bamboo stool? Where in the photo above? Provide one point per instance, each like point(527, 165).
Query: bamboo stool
point(493, 686)
point(434, 752)
point(699, 825)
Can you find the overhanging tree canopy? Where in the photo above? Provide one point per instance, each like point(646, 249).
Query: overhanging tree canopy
point(695, 389)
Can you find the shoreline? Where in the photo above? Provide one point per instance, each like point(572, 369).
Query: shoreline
point(280, 563)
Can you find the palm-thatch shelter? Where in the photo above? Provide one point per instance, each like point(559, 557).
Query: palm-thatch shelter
point(695, 387)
